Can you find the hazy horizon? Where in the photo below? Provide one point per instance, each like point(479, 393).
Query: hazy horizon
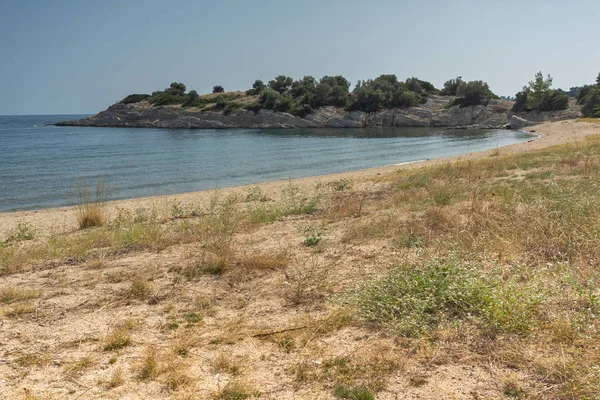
point(73, 58)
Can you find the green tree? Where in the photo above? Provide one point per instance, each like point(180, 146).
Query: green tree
point(473, 93)
point(193, 95)
point(218, 89)
point(177, 88)
point(257, 87)
point(537, 89)
point(302, 87)
point(281, 83)
point(451, 86)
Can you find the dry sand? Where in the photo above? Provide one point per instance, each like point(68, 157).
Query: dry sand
point(62, 219)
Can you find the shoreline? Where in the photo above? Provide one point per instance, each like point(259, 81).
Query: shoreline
point(62, 219)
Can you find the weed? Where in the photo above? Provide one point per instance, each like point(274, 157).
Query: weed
point(237, 390)
point(140, 289)
point(412, 302)
point(149, 366)
point(23, 231)
point(20, 309)
point(341, 184)
point(312, 234)
point(223, 364)
point(116, 378)
point(353, 393)
point(120, 337)
point(13, 294)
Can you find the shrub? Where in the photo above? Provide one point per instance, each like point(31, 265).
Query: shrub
point(589, 98)
point(218, 89)
point(301, 110)
point(255, 107)
point(554, 100)
point(134, 98)
point(257, 87)
point(268, 98)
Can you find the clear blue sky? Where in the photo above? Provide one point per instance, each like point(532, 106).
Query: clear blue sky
point(69, 57)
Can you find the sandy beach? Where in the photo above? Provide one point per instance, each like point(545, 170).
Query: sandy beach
point(254, 299)
point(57, 220)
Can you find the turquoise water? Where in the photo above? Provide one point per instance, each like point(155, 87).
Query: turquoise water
point(39, 164)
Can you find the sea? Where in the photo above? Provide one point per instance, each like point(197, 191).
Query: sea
point(41, 164)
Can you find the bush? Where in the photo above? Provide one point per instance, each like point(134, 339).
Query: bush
point(520, 102)
point(255, 107)
point(589, 98)
point(473, 93)
point(134, 98)
point(301, 110)
point(218, 89)
point(554, 100)
point(268, 98)
point(257, 87)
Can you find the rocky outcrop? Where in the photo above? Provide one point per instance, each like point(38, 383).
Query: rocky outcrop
point(519, 123)
point(435, 113)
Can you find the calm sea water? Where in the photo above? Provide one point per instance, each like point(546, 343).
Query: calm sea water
point(40, 164)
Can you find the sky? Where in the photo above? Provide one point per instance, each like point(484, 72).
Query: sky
point(79, 57)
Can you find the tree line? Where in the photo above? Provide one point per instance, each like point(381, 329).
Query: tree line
point(301, 97)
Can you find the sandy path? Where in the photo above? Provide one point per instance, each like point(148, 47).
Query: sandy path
point(62, 219)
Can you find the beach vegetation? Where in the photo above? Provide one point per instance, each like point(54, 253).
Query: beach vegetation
point(134, 98)
point(589, 99)
point(539, 95)
point(473, 93)
point(90, 209)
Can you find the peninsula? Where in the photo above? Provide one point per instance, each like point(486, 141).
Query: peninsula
point(328, 103)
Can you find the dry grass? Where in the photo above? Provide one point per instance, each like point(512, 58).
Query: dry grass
point(91, 205)
point(487, 266)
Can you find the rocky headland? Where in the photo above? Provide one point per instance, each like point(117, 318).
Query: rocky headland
point(434, 113)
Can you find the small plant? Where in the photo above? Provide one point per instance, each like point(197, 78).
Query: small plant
point(255, 194)
point(511, 389)
point(312, 234)
point(12, 294)
point(117, 339)
point(23, 231)
point(236, 390)
point(341, 185)
point(149, 366)
point(91, 206)
point(116, 379)
point(140, 289)
point(353, 393)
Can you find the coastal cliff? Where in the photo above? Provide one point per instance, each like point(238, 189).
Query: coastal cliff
point(434, 113)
